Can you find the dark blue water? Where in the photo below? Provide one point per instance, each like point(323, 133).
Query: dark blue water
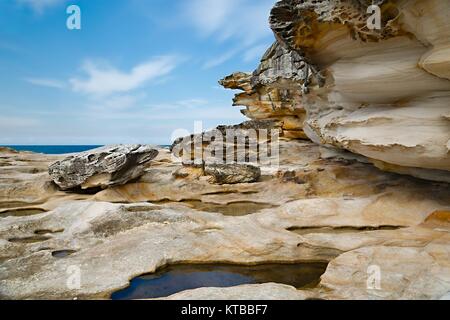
point(178, 278)
point(59, 149)
point(53, 149)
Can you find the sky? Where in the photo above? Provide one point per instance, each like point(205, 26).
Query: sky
point(138, 71)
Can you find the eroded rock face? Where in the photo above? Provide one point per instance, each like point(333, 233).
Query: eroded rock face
point(102, 167)
point(242, 143)
point(383, 94)
point(339, 211)
point(266, 99)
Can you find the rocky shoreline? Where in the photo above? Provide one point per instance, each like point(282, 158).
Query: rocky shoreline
point(346, 213)
point(361, 182)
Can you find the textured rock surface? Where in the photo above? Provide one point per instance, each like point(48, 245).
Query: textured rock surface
point(241, 143)
point(267, 291)
point(309, 209)
point(232, 174)
point(102, 167)
point(383, 94)
point(280, 104)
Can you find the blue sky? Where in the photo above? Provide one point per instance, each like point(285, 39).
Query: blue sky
point(137, 70)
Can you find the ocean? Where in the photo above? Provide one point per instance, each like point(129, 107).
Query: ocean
point(58, 149)
point(53, 149)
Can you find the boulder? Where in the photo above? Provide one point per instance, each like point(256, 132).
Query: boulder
point(102, 167)
point(232, 173)
point(240, 142)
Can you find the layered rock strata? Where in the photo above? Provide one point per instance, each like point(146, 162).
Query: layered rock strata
point(102, 167)
point(308, 209)
point(248, 142)
point(282, 105)
point(383, 93)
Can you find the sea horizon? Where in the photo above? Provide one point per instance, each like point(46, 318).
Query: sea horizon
point(58, 149)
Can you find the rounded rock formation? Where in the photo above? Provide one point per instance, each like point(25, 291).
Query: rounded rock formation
point(102, 167)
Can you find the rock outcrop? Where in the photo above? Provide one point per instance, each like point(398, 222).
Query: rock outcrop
point(263, 102)
point(383, 93)
point(242, 143)
point(309, 209)
point(7, 150)
point(102, 167)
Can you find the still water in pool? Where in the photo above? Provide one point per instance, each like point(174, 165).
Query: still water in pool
point(178, 278)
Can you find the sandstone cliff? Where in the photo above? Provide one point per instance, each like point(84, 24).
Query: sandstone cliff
point(383, 94)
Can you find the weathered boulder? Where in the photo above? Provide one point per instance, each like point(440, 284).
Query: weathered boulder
point(232, 173)
point(226, 143)
point(102, 167)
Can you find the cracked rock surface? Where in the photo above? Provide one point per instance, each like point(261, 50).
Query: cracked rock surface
point(311, 209)
point(102, 167)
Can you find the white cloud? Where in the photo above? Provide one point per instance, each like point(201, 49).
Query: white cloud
point(195, 102)
point(45, 82)
point(12, 123)
point(181, 105)
point(104, 80)
point(39, 6)
point(115, 102)
point(255, 52)
point(209, 15)
point(217, 61)
point(244, 20)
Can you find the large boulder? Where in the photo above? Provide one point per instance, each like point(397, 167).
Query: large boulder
point(240, 143)
point(102, 167)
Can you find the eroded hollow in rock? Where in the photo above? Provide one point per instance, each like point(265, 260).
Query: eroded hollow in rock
point(33, 239)
point(177, 278)
point(21, 212)
point(241, 208)
point(62, 253)
point(47, 231)
point(343, 229)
